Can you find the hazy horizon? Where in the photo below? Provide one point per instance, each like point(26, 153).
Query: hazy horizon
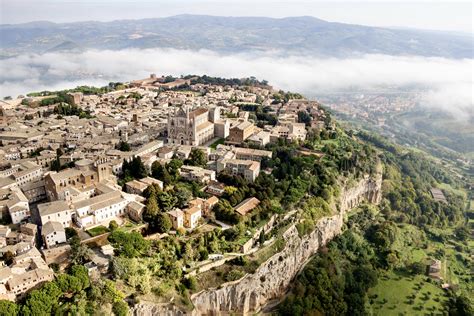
point(437, 16)
point(444, 82)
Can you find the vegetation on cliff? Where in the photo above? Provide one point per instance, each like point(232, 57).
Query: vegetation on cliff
point(390, 246)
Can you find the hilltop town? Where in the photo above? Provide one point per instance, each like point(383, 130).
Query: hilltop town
point(76, 166)
point(206, 195)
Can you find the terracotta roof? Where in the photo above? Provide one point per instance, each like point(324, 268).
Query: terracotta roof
point(197, 112)
point(192, 210)
point(247, 205)
point(212, 200)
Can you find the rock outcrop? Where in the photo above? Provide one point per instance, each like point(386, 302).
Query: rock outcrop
point(368, 189)
point(272, 279)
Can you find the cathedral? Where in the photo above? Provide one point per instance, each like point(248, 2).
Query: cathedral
point(191, 127)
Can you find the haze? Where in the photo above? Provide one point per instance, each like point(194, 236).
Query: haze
point(434, 15)
point(446, 83)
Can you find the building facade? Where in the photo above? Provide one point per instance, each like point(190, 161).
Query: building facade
point(53, 234)
point(57, 211)
point(192, 128)
point(247, 169)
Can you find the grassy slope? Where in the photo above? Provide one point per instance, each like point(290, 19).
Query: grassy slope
point(392, 295)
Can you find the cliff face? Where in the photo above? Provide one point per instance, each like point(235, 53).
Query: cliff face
point(368, 189)
point(272, 278)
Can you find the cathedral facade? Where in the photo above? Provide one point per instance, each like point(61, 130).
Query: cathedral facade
point(190, 127)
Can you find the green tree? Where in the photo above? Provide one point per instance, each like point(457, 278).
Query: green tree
point(123, 146)
point(197, 157)
point(120, 308)
point(166, 200)
point(8, 308)
point(173, 168)
point(462, 233)
point(129, 244)
point(190, 282)
point(110, 293)
point(81, 272)
point(137, 168)
point(113, 225)
point(152, 208)
point(183, 196)
point(418, 268)
point(225, 212)
point(152, 191)
point(42, 301)
point(68, 283)
point(70, 232)
point(161, 172)
point(304, 117)
point(163, 223)
point(460, 305)
point(80, 253)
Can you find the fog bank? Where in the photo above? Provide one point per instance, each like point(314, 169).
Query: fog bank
point(447, 84)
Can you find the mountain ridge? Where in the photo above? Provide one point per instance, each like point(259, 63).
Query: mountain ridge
point(234, 34)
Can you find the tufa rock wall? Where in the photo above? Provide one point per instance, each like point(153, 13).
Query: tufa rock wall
point(367, 189)
point(272, 279)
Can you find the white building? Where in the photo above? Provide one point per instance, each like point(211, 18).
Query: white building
point(177, 218)
point(18, 206)
point(193, 173)
point(261, 138)
point(57, 211)
point(148, 148)
point(29, 172)
point(53, 234)
point(192, 216)
point(100, 209)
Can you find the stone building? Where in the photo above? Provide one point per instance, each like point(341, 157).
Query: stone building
point(59, 186)
point(239, 133)
point(192, 128)
point(177, 218)
point(248, 169)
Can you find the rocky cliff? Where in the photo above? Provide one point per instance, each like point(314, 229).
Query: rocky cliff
point(272, 278)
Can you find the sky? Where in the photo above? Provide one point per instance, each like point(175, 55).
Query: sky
point(434, 15)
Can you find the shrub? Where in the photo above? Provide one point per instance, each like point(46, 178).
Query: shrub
point(113, 225)
point(239, 261)
point(120, 308)
point(234, 275)
point(190, 282)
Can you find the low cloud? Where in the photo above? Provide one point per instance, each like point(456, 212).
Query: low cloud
point(446, 83)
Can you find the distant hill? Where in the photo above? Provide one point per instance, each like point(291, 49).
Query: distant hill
point(304, 35)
